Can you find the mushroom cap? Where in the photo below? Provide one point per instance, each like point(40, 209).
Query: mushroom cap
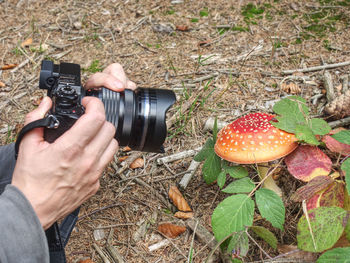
point(252, 139)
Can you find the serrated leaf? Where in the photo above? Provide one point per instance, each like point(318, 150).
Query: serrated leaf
point(233, 214)
point(221, 179)
point(304, 133)
point(346, 169)
point(244, 185)
point(271, 207)
point(307, 191)
point(339, 255)
point(266, 235)
point(236, 171)
point(211, 168)
point(307, 162)
point(205, 151)
point(342, 136)
point(292, 111)
point(319, 126)
point(239, 244)
point(327, 225)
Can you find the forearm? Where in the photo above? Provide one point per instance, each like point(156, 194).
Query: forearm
point(22, 236)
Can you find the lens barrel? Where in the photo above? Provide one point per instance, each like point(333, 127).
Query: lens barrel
point(139, 116)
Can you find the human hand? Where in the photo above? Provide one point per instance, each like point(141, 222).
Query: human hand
point(113, 77)
point(57, 178)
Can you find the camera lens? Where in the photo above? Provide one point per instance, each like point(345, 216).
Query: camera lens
point(139, 116)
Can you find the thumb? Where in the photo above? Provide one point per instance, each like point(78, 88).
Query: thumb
point(36, 135)
point(39, 112)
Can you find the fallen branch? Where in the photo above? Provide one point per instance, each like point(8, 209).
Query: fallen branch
point(317, 68)
point(188, 176)
point(113, 251)
point(339, 123)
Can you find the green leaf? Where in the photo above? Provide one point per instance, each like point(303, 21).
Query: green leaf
point(205, 151)
point(346, 169)
point(233, 214)
point(319, 126)
point(327, 225)
point(239, 244)
point(244, 185)
point(221, 179)
point(305, 134)
point(211, 168)
point(342, 136)
point(339, 255)
point(292, 106)
point(266, 235)
point(292, 111)
point(236, 171)
point(215, 129)
point(271, 207)
point(347, 231)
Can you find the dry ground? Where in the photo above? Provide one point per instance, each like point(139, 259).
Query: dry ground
point(239, 49)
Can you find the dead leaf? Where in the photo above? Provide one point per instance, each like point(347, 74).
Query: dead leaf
point(334, 145)
point(138, 163)
point(178, 199)
point(183, 215)
point(171, 230)
point(86, 261)
point(2, 84)
point(315, 185)
point(126, 149)
point(307, 162)
point(205, 42)
point(290, 251)
point(8, 66)
point(290, 87)
point(27, 42)
point(182, 28)
point(333, 195)
point(123, 158)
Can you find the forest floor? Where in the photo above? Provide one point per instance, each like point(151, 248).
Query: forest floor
point(223, 58)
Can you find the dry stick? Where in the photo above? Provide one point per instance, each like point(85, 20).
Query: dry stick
point(174, 245)
point(190, 252)
point(327, 66)
point(328, 83)
point(189, 174)
point(256, 243)
point(339, 123)
point(99, 210)
point(101, 253)
point(178, 156)
point(115, 225)
point(113, 251)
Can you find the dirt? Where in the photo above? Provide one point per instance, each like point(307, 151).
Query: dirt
point(239, 48)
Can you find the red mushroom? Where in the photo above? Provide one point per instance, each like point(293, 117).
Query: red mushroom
point(252, 139)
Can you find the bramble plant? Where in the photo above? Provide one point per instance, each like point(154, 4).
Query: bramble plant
point(325, 197)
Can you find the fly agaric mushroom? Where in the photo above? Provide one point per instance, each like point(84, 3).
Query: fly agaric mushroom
point(252, 139)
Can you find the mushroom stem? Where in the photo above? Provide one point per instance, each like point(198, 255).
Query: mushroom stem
point(269, 183)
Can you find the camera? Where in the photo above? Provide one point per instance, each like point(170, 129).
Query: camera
point(138, 116)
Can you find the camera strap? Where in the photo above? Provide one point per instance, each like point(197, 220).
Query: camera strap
point(57, 236)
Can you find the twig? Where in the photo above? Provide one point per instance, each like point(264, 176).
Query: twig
point(202, 233)
point(190, 252)
point(98, 210)
point(113, 251)
point(338, 123)
point(317, 68)
point(178, 156)
point(328, 84)
point(101, 253)
point(209, 124)
point(158, 245)
point(256, 243)
point(174, 245)
point(309, 224)
point(115, 225)
point(188, 176)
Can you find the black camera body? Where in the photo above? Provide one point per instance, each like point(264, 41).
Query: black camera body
point(139, 116)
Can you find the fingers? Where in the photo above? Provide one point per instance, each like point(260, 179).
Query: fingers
point(113, 78)
point(108, 154)
point(87, 126)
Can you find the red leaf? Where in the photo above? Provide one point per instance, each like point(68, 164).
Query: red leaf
point(336, 146)
point(333, 195)
point(307, 162)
